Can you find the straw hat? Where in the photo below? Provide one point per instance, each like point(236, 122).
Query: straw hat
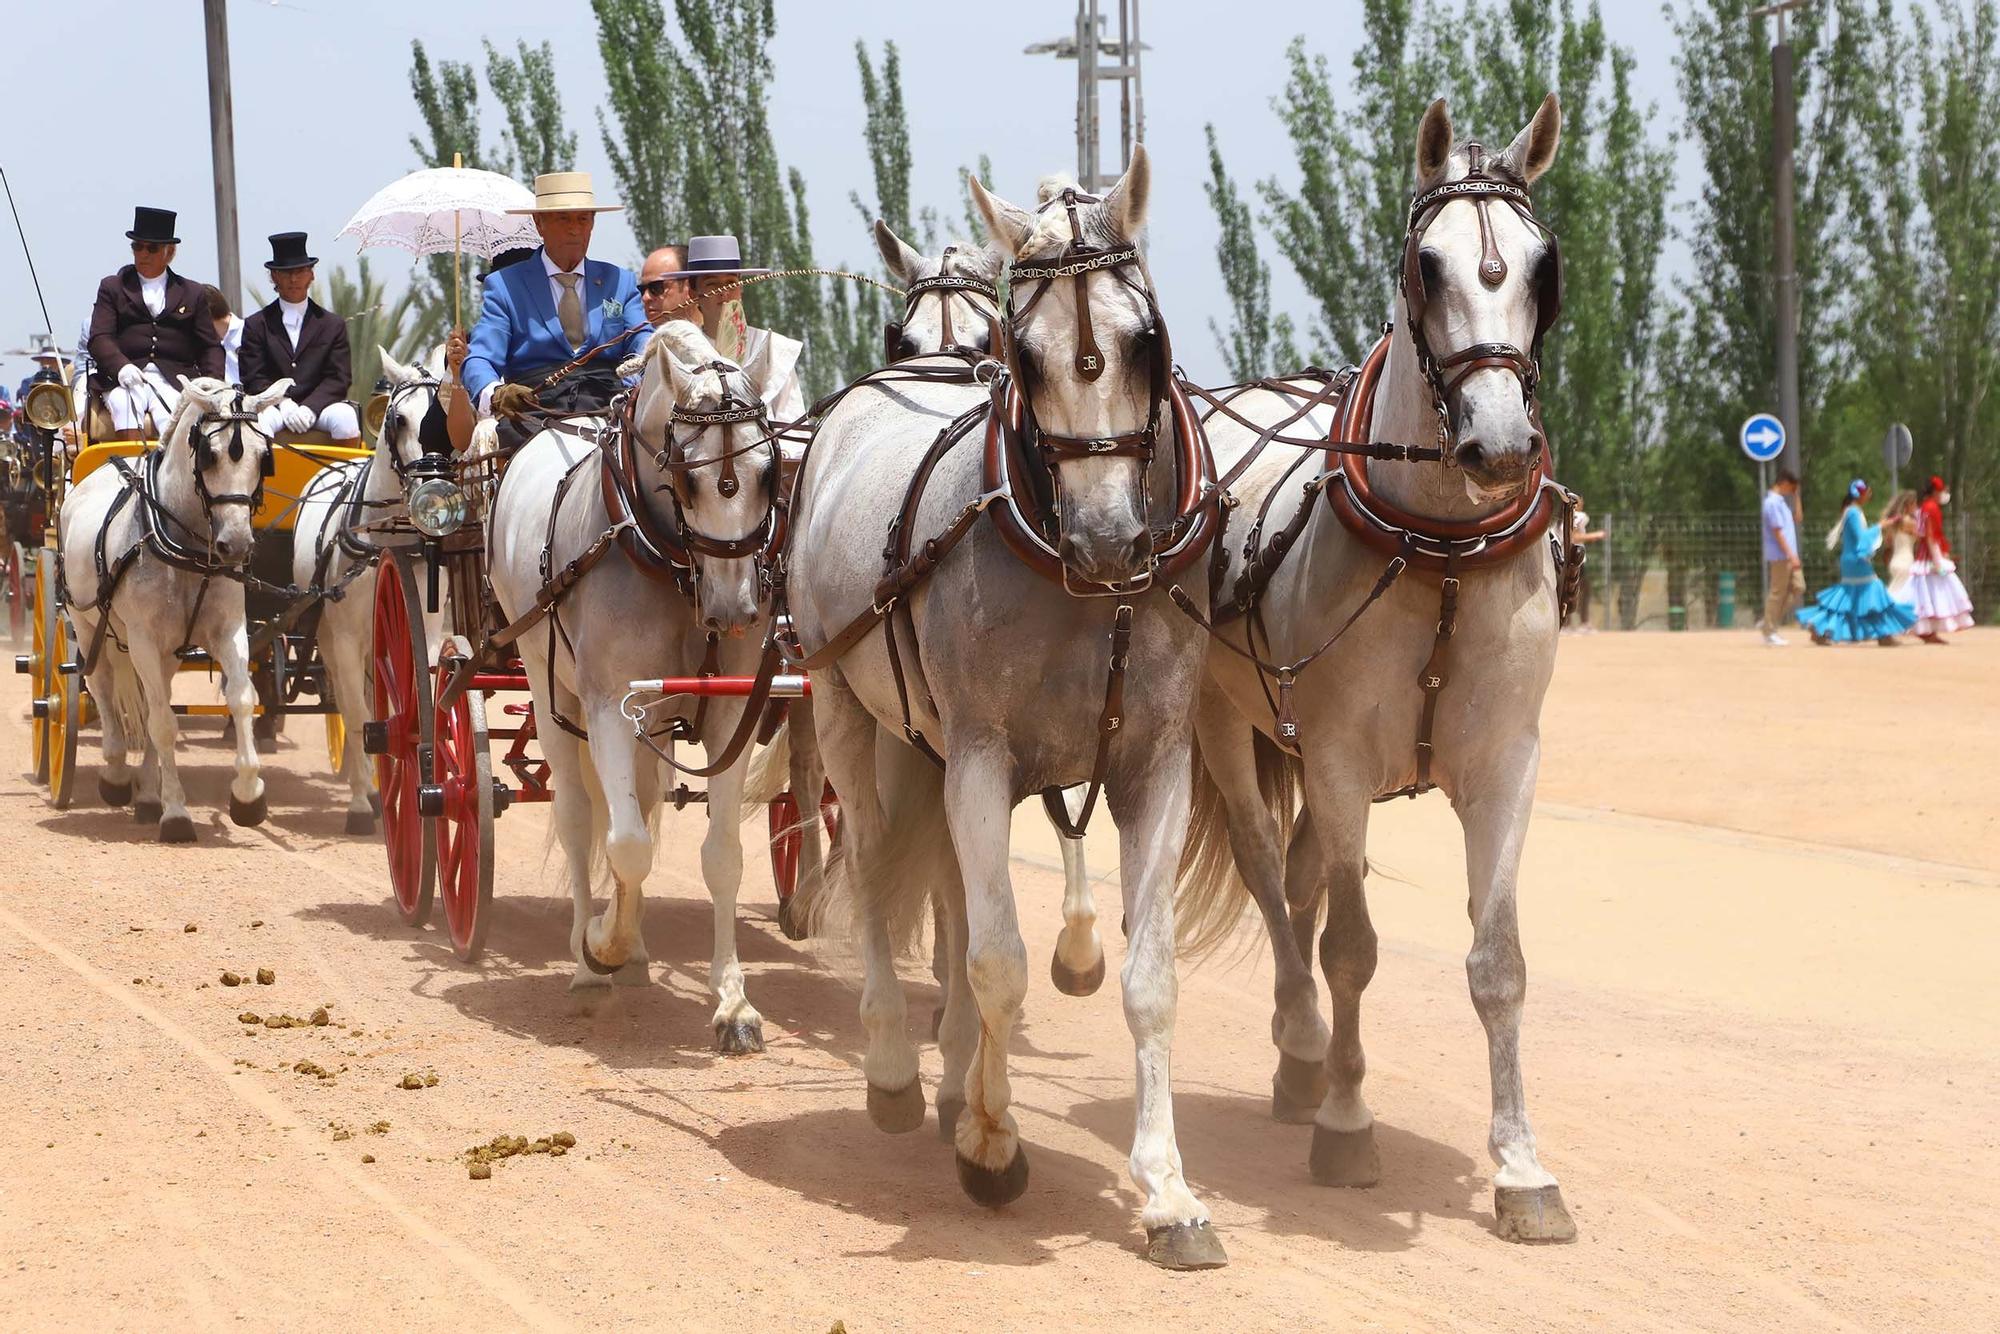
point(566, 192)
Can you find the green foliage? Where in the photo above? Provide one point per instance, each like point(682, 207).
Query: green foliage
point(1254, 344)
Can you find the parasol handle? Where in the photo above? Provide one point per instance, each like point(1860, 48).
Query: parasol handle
point(457, 304)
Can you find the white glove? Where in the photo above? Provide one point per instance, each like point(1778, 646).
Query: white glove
point(298, 417)
point(132, 378)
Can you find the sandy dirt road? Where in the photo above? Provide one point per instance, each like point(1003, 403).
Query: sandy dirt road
point(1759, 1048)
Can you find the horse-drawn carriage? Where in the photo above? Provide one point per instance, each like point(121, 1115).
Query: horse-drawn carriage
point(280, 655)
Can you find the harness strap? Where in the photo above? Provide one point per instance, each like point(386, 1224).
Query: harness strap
point(1109, 721)
point(1431, 680)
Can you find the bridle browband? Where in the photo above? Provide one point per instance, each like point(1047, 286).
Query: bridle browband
point(1445, 374)
point(942, 285)
point(240, 419)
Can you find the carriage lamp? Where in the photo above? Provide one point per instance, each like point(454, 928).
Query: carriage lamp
point(437, 505)
point(46, 404)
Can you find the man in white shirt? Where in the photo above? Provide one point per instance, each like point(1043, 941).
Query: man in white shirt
point(295, 339)
point(149, 319)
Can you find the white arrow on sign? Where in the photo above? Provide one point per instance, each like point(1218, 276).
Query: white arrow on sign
point(1762, 437)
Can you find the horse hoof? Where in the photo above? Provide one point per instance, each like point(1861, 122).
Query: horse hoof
point(1531, 1214)
point(992, 1188)
point(1185, 1246)
point(177, 829)
point(361, 822)
point(1072, 983)
point(593, 963)
point(1345, 1157)
point(114, 794)
point(743, 1038)
point(248, 814)
point(949, 1110)
point(1297, 1090)
point(898, 1111)
point(791, 920)
point(375, 802)
point(145, 812)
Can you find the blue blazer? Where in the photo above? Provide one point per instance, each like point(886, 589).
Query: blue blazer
point(518, 330)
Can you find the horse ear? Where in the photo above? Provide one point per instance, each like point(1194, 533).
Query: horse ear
point(259, 402)
point(1433, 144)
point(1010, 227)
point(397, 372)
point(1534, 148)
point(897, 254)
point(1125, 205)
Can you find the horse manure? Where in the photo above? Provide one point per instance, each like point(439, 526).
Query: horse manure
point(320, 1073)
point(190, 929)
point(231, 980)
point(319, 1019)
point(367, 1157)
point(423, 1081)
point(343, 1134)
point(248, 1018)
point(265, 977)
point(286, 1021)
point(479, 1171)
point(254, 925)
point(379, 1128)
point(513, 1146)
point(564, 1138)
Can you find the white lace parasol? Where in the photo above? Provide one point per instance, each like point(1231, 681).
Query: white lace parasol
point(443, 209)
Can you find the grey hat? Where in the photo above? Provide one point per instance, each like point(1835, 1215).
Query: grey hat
point(713, 255)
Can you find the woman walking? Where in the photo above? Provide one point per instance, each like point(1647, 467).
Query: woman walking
point(1940, 599)
point(1858, 607)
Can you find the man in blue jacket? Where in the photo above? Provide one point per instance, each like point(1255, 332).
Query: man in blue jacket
point(552, 309)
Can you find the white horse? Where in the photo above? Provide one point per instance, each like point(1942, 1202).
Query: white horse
point(1005, 675)
point(1480, 286)
point(341, 516)
point(149, 548)
point(710, 485)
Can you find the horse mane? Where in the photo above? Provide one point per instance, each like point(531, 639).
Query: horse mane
point(1052, 224)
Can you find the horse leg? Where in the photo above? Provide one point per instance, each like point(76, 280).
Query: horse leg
point(1527, 1202)
point(992, 1167)
point(611, 939)
point(1343, 1146)
point(1229, 755)
point(247, 805)
point(1078, 966)
point(1152, 817)
point(1305, 892)
point(154, 669)
point(808, 780)
point(739, 1029)
point(343, 647)
point(958, 1018)
point(571, 797)
point(114, 784)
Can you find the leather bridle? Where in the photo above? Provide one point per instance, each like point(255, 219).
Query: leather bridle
point(239, 419)
point(392, 421)
point(672, 458)
point(1445, 374)
point(943, 284)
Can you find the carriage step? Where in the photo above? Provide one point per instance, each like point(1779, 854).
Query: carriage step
point(374, 738)
point(24, 664)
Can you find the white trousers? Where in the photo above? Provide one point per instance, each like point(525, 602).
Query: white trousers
point(131, 412)
point(338, 420)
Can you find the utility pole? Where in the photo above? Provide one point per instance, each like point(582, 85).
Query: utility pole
point(222, 148)
point(1785, 276)
point(1088, 46)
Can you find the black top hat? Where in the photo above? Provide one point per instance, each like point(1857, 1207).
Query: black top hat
point(288, 251)
point(153, 224)
point(713, 254)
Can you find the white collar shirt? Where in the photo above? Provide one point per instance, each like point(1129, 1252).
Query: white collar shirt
point(294, 316)
point(550, 267)
point(153, 291)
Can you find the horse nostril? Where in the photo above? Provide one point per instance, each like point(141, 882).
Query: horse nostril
point(1072, 553)
point(1537, 442)
point(1470, 454)
point(712, 624)
point(1142, 548)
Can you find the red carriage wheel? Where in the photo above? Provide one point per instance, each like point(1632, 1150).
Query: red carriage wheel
point(786, 840)
point(463, 773)
point(400, 698)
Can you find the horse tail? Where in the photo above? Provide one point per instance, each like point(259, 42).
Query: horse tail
point(770, 774)
point(913, 858)
point(1209, 894)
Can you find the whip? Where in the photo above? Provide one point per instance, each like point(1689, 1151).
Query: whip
point(29, 256)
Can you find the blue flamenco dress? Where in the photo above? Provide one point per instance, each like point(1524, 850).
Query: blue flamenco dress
point(1859, 606)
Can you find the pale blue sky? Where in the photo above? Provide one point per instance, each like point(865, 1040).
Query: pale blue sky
point(323, 113)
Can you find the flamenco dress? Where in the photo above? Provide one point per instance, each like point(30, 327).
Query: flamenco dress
point(1859, 606)
point(1940, 598)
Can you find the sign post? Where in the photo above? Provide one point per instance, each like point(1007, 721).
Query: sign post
point(1896, 448)
point(1762, 437)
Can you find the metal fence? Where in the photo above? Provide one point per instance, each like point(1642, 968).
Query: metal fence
point(1705, 571)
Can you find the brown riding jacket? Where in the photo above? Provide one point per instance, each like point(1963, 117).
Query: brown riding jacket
point(319, 368)
point(180, 340)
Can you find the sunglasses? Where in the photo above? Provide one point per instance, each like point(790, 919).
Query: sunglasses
point(658, 287)
point(147, 247)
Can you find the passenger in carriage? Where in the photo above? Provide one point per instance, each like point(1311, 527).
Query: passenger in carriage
point(148, 317)
point(715, 267)
point(296, 338)
point(229, 328)
point(541, 314)
point(666, 298)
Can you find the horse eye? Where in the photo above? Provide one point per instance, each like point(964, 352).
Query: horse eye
point(1429, 268)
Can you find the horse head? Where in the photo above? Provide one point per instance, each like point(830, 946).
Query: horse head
point(1089, 354)
point(950, 300)
point(413, 419)
point(707, 444)
point(229, 454)
point(1481, 284)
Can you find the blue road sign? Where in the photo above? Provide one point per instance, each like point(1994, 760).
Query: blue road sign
point(1763, 437)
